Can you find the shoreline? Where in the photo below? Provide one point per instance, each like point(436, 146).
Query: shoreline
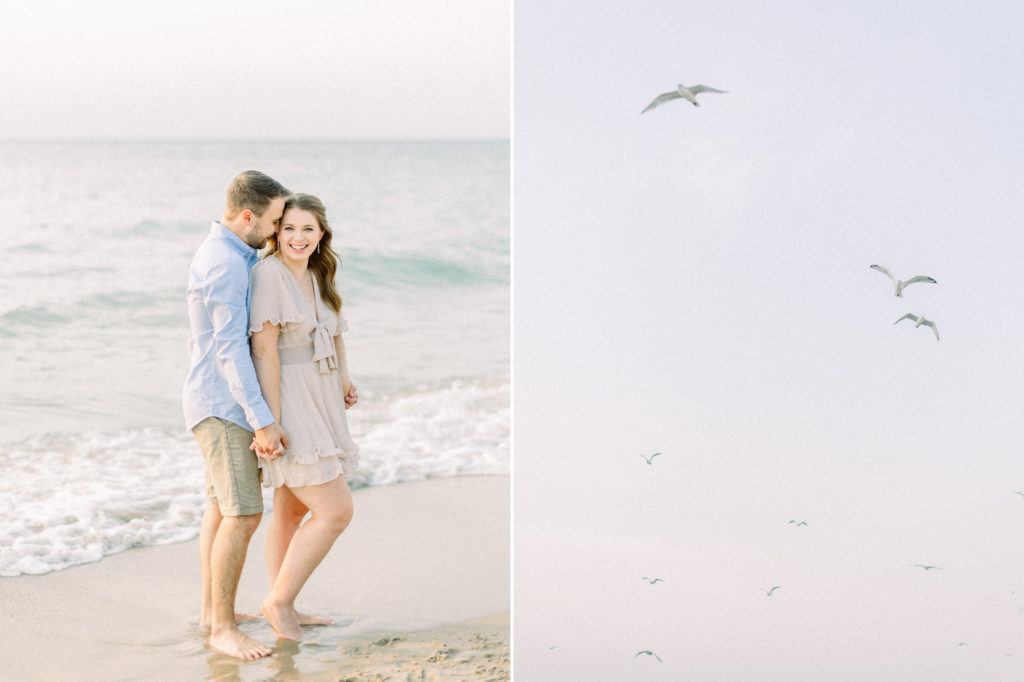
point(427, 561)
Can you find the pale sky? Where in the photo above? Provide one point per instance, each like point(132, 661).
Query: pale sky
point(696, 281)
point(394, 69)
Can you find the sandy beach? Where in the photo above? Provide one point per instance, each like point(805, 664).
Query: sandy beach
point(418, 586)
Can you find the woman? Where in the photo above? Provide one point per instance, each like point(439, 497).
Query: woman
point(295, 325)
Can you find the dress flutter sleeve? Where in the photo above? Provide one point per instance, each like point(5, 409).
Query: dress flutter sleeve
point(270, 299)
point(342, 325)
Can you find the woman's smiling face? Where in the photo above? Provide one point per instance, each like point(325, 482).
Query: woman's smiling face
point(299, 234)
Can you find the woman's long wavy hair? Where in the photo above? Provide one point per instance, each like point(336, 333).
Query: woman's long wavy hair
point(325, 262)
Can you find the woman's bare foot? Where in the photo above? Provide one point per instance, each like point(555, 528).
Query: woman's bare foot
point(283, 619)
point(306, 619)
point(234, 643)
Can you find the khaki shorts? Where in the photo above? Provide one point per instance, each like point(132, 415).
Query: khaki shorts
point(232, 474)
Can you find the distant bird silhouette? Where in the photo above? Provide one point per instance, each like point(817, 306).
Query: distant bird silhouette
point(927, 568)
point(651, 458)
point(649, 653)
point(769, 592)
point(798, 523)
point(681, 92)
point(900, 284)
point(652, 580)
point(963, 644)
point(919, 320)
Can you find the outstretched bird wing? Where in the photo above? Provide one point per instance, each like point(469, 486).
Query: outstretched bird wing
point(662, 98)
point(920, 278)
point(703, 88)
point(910, 316)
point(649, 653)
point(929, 323)
point(885, 271)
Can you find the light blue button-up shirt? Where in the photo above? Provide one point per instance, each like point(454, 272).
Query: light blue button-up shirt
point(221, 379)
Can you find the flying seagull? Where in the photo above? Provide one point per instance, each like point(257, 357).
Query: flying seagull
point(649, 653)
point(681, 92)
point(919, 320)
point(927, 568)
point(651, 581)
point(900, 284)
point(798, 523)
point(649, 459)
point(769, 592)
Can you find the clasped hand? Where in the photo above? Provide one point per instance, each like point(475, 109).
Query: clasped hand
point(351, 396)
point(269, 442)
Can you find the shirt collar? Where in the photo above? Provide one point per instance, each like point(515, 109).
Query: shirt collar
point(218, 230)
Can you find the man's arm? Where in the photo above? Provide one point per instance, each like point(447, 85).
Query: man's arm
point(224, 294)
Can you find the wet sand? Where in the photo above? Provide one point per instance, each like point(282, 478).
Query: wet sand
point(418, 586)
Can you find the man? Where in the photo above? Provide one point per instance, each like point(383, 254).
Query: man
point(223, 404)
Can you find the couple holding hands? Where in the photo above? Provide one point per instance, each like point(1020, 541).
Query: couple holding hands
point(265, 398)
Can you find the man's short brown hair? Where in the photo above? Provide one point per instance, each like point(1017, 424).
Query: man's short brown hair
point(253, 190)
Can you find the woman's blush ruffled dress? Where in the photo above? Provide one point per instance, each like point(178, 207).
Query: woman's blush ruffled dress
point(312, 402)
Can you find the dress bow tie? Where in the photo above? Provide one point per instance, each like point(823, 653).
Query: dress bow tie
point(323, 349)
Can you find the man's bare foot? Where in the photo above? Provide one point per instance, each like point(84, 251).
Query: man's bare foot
point(306, 619)
point(283, 619)
point(234, 643)
point(204, 622)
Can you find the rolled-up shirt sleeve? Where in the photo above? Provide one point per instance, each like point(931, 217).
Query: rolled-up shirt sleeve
point(225, 293)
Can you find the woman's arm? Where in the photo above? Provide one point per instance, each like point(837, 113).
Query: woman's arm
point(347, 389)
point(268, 366)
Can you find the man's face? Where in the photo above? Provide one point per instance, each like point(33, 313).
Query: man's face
point(265, 225)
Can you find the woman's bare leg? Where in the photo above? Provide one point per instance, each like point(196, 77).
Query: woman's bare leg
point(330, 506)
point(286, 519)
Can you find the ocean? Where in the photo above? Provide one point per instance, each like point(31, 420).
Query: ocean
point(94, 327)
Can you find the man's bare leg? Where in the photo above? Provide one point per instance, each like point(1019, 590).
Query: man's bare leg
point(207, 532)
point(227, 556)
point(286, 519)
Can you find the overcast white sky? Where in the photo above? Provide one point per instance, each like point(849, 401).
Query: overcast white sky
point(695, 281)
point(255, 69)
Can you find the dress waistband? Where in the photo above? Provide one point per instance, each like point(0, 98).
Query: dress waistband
point(293, 355)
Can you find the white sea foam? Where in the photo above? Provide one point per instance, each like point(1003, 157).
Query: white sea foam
point(68, 500)
point(459, 430)
point(73, 499)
